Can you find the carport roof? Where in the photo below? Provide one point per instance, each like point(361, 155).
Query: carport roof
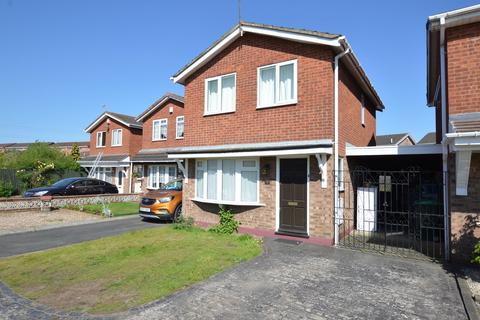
point(394, 150)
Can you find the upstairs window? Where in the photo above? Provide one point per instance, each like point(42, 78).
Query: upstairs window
point(277, 84)
point(220, 94)
point(101, 137)
point(180, 127)
point(116, 137)
point(159, 131)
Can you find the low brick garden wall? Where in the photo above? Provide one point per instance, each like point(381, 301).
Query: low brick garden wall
point(37, 203)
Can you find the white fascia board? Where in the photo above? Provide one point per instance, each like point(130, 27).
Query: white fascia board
point(108, 115)
point(244, 154)
point(455, 17)
point(394, 150)
point(292, 36)
point(208, 55)
point(257, 30)
point(154, 108)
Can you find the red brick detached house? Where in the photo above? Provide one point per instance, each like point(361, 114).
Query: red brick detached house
point(453, 89)
point(267, 111)
point(114, 139)
point(163, 128)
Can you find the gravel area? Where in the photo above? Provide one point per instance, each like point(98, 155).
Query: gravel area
point(18, 221)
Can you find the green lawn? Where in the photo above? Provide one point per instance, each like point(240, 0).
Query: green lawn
point(116, 273)
point(118, 209)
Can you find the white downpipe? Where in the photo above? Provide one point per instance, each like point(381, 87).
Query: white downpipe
point(444, 138)
point(335, 164)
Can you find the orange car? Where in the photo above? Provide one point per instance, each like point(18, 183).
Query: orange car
point(164, 203)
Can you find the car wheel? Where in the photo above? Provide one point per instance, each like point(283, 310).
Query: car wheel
point(178, 212)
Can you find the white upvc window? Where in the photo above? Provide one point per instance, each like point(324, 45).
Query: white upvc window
point(160, 129)
point(104, 174)
point(220, 94)
point(101, 139)
point(116, 137)
point(277, 84)
point(362, 112)
point(180, 127)
point(160, 174)
point(228, 181)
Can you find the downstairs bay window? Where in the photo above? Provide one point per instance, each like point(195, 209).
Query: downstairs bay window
point(227, 181)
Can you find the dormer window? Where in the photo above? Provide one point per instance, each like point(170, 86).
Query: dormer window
point(277, 84)
point(220, 94)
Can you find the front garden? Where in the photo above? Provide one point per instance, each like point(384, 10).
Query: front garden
point(116, 273)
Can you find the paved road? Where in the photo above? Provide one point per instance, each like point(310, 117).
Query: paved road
point(294, 282)
point(13, 244)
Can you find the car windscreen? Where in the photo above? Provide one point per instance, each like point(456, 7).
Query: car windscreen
point(172, 185)
point(64, 182)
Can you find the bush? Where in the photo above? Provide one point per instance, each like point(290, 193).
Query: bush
point(228, 224)
point(182, 223)
point(476, 254)
point(7, 189)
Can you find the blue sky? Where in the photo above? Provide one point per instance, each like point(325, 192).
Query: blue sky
point(61, 61)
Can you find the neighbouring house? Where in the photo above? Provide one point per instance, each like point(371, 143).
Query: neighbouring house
point(398, 139)
point(453, 89)
point(269, 112)
point(114, 139)
point(163, 128)
point(429, 138)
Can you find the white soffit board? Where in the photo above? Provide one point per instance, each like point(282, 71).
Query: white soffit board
point(242, 154)
point(394, 150)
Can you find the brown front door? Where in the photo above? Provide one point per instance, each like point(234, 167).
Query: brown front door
point(293, 196)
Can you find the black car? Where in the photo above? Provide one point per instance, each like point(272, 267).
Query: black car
point(73, 186)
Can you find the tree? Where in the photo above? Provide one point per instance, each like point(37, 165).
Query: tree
point(75, 153)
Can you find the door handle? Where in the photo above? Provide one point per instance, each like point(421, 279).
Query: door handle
point(292, 203)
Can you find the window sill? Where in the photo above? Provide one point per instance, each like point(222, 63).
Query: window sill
point(159, 139)
point(231, 203)
point(117, 145)
point(100, 146)
point(286, 103)
point(217, 113)
point(179, 138)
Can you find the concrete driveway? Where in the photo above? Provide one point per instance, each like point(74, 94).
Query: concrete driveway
point(312, 282)
point(17, 243)
point(295, 282)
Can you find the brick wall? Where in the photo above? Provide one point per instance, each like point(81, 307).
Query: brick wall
point(310, 118)
point(163, 113)
point(351, 129)
point(264, 217)
point(465, 211)
point(131, 139)
point(463, 47)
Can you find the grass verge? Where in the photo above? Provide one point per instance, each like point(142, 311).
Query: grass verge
point(116, 273)
point(117, 209)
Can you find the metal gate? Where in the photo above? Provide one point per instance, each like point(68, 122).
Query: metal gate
point(393, 212)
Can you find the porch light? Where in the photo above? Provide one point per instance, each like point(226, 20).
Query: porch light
point(266, 170)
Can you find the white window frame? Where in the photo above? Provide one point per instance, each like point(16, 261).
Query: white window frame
point(159, 121)
point(176, 127)
point(238, 181)
point(277, 84)
point(156, 178)
point(104, 174)
point(362, 112)
point(119, 137)
point(104, 134)
point(219, 96)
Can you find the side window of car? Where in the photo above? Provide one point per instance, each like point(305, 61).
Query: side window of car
point(91, 183)
point(79, 184)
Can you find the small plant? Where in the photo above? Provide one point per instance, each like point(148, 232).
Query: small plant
point(183, 223)
point(228, 224)
point(476, 254)
point(6, 189)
